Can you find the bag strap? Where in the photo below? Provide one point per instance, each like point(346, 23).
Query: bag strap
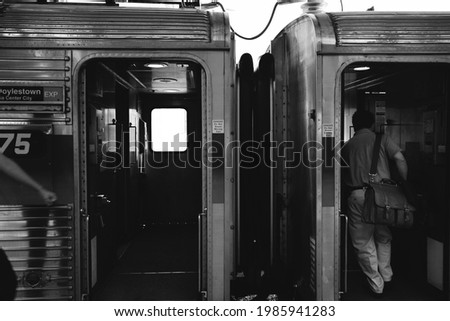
point(375, 156)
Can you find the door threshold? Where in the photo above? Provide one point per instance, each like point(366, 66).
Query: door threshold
point(159, 273)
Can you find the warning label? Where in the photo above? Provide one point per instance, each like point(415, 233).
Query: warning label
point(328, 130)
point(218, 126)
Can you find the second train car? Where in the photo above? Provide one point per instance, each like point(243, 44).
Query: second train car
point(320, 69)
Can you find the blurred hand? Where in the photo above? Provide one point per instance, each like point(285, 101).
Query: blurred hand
point(49, 197)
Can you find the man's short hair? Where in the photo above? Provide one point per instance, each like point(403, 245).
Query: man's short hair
point(362, 119)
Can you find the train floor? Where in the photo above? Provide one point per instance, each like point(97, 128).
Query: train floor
point(160, 263)
point(403, 289)
point(410, 272)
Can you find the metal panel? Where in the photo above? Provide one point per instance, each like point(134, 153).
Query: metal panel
point(34, 82)
point(39, 242)
point(391, 29)
point(230, 117)
point(329, 196)
point(37, 65)
point(280, 115)
point(59, 25)
point(296, 96)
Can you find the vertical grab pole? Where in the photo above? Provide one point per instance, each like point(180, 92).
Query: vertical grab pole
point(200, 255)
point(345, 218)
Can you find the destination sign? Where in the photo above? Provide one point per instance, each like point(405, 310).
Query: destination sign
point(30, 94)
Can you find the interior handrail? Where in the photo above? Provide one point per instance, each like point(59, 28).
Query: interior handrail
point(4, 208)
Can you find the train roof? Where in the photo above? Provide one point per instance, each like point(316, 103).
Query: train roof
point(376, 32)
point(66, 25)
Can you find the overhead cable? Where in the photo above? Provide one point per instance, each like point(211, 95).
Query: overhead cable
point(262, 32)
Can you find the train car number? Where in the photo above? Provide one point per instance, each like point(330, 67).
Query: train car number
point(15, 143)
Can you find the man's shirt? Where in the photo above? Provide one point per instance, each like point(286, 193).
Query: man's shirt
point(357, 153)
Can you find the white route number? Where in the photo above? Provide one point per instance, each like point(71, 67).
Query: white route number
point(20, 142)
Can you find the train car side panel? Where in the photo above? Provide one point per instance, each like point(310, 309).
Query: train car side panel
point(303, 204)
point(36, 131)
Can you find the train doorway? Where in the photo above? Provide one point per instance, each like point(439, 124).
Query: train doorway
point(145, 180)
point(410, 102)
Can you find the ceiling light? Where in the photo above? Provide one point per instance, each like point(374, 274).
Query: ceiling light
point(361, 68)
point(156, 65)
point(164, 79)
point(182, 65)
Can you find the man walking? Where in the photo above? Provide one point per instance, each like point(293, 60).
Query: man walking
point(372, 243)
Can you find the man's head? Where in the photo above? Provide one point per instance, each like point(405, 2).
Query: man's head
point(362, 119)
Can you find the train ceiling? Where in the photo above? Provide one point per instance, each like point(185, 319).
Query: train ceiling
point(176, 77)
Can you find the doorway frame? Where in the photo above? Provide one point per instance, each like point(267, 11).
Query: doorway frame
point(331, 75)
point(216, 97)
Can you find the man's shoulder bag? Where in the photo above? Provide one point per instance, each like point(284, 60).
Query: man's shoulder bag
point(385, 202)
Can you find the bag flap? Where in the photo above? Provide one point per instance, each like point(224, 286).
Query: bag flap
point(390, 195)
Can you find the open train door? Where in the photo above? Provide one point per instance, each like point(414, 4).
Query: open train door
point(144, 229)
point(418, 125)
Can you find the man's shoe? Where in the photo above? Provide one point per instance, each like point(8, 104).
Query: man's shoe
point(373, 294)
point(376, 296)
point(389, 286)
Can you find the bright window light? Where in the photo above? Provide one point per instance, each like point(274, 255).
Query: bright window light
point(169, 130)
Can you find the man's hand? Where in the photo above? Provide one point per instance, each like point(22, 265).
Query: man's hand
point(49, 197)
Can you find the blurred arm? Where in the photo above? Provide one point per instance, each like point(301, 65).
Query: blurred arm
point(401, 164)
point(10, 168)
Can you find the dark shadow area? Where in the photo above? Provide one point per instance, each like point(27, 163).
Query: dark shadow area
point(158, 264)
point(410, 275)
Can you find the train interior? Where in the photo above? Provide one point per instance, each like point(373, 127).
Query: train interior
point(144, 178)
point(410, 103)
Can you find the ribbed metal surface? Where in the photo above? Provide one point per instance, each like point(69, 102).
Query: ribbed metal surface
point(41, 70)
point(39, 242)
point(102, 22)
point(37, 66)
point(391, 29)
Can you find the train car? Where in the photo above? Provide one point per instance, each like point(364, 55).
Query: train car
point(124, 113)
point(326, 66)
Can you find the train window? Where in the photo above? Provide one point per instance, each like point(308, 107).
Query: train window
point(169, 130)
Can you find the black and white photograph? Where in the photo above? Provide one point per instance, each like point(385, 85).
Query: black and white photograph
point(231, 152)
